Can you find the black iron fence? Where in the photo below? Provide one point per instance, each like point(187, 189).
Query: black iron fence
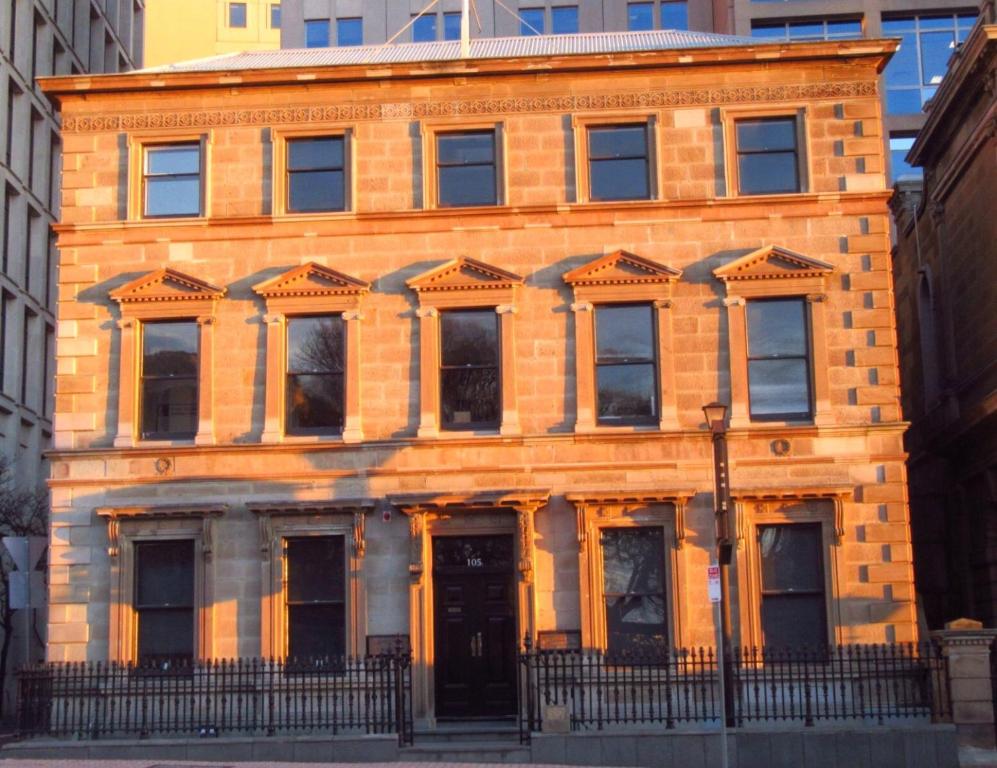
point(867, 684)
point(369, 695)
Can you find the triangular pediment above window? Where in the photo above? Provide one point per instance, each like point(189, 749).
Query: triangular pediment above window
point(310, 279)
point(773, 263)
point(463, 274)
point(621, 268)
point(166, 285)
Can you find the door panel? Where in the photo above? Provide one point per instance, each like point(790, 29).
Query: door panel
point(475, 624)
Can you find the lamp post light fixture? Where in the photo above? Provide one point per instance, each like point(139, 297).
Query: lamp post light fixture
point(716, 419)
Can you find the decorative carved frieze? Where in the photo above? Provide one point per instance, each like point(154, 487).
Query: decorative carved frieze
point(365, 112)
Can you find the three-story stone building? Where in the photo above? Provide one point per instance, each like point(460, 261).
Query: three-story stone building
point(384, 342)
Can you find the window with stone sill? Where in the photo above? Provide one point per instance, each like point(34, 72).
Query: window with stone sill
point(470, 373)
point(316, 598)
point(779, 367)
point(466, 169)
point(164, 602)
point(169, 380)
point(615, 159)
point(316, 174)
point(172, 180)
point(793, 604)
point(626, 364)
point(765, 151)
point(636, 605)
point(316, 353)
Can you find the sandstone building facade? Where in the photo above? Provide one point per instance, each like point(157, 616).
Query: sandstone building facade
point(356, 352)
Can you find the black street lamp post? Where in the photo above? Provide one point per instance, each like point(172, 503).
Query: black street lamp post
point(716, 418)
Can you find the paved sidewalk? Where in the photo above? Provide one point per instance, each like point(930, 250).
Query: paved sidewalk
point(17, 763)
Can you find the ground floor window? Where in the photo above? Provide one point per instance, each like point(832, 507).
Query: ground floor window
point(634, 589)
point(164, 601)
point(793, 604)
point(316, 597)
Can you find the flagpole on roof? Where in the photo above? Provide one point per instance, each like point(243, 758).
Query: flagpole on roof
point(465, 29)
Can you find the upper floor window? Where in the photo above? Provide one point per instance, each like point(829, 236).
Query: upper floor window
point(424, 28)
point(564, 19)
point(531, 21)
point(640, 16)
point(809, 29)
point(793, 605)
point(900, 145)
point(916, 69)
point(470, 395)
point(451, 25)
point(349, 31)
point(316, 174)
point(625, 364)
point(316, 33)
point(315, 367)
point(466, 172)
point(768, 158)
point(164, 601)
point(316, 597)
point(237, 15)
point(172, 180)
point(633, 564)
point(274, 16)
point(619, 167)
point(169, 379)
point(778, 359)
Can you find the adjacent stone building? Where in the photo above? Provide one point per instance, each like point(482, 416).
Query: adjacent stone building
point(946, 293)
point(415, 348)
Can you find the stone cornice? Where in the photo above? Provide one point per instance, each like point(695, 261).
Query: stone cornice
point(520, 499)
point(353, 112)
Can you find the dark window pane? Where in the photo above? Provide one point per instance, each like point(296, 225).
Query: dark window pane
point(316, 568)
point(776, 328)
point(173, 159)
point(937, 22)
point(469, 396)
point(315, 344)
point(801, 30)
point(274, 17)
point(899, 167)
point(778, 387)
point(165, 634)
point(633, 560)
point(466, 148)
point(902, 68)
point(170, 349)
point(451, 26)
point(349, 31)
point(615, 142)
point(775, 31)
point(905, 102)
point(794, 621)
point(936, 48)
point(675, 15)
point(169, 408)
point(172, 196)
point(314, 402)
point(640, 16)
point(316, 631)
point(531, 21)
point(469, 338)
point(844, 28)
point(564, 19)
point(893, 27)
point(625, 392)
point(424, 28)
point(467, 185)
point(619, 180)
point(768, 173)
point(766, 135)
point(791, 558)
point(624, 333)
point(237, 15)
point(310, 191)
point(323, 152)
point(165, 574)
point(317, 33)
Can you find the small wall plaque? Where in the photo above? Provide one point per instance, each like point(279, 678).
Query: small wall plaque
point(559, 640)
point(382, 645)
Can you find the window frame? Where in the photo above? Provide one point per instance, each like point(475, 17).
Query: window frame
point(328, 32)
point(138, 144)
point(654, 417)
point(282, 139)
point(306, 291)
point(128, 526)
point(430, 172)
point(807, 357)
point(822, 505)
point(285, 539)
point(138, 609)
point(163, 295)
point(581, 127)
point(471, 426)
point(731, 117)
point(288, 373)
point(231, 7)
point(596, 511)
point(281, 520)
point(599, 283)
point(749, 278)
point(345, 21)
point(465, 283)
point(143, 378)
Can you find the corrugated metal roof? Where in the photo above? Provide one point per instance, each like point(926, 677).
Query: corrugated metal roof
point(481, 48)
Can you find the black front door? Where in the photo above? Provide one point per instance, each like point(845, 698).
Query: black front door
point(475, 626)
